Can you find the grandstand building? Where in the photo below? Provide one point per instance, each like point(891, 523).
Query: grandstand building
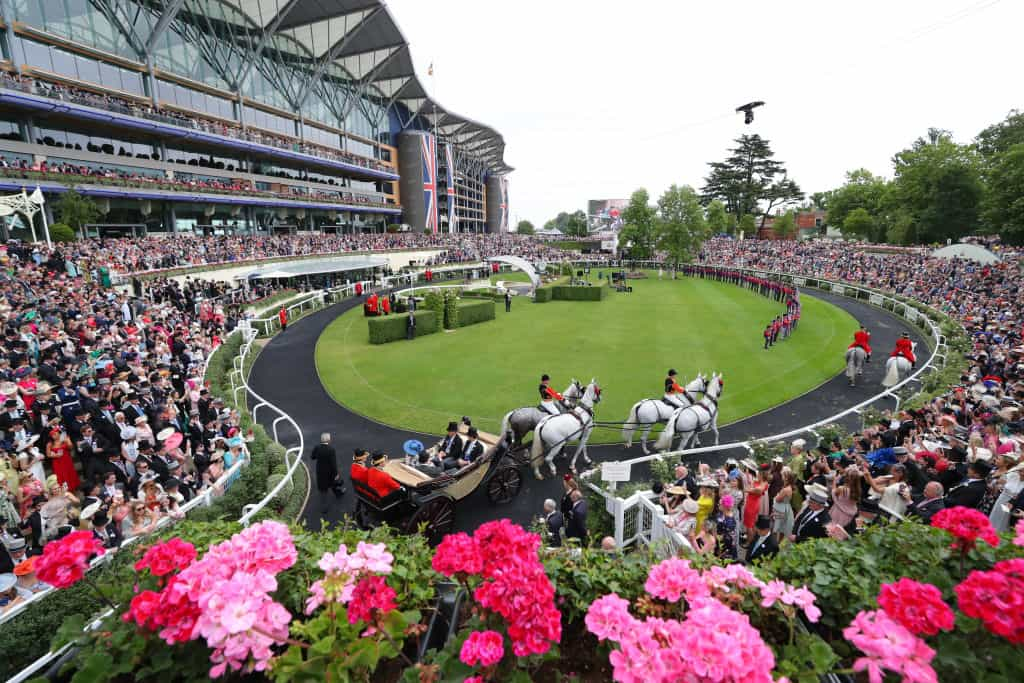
point(237, 116)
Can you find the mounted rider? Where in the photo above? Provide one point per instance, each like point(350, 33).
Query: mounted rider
point(549, 396)
point(672, 390)
point(862, 338)
point(905, 348)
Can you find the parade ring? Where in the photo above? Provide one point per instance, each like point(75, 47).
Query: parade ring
point(285, 373)
point(627, 342)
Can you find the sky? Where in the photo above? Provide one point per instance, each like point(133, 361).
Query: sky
point(596, 99)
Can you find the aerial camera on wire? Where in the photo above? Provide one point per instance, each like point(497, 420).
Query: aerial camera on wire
point(748, 111)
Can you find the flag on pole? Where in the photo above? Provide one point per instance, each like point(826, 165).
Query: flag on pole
point(428, 154)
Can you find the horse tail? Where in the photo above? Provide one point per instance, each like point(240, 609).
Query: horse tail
point(505, 428)
point(665, 440)
point(851, 363)
point(630, 426)
point(892, 373)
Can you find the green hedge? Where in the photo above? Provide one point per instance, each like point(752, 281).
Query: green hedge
point(389, 328)
point(543, 295)
point(473, 312)
point(570, 293)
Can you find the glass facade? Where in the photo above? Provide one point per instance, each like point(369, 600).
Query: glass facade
point(57, 137)
point(187, 98)
point(71, 65)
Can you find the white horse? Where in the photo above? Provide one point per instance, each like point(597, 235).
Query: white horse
point(519, 422)
point(690, 421)
point(855, 359)
point(652, 411)
point(896, 368)
point(554, 431)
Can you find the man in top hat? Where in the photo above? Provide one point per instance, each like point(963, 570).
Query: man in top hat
point(905, 348)
point(764, 543)
point(970, 491)
point(672, 390)
point(548, 396)
point(12, 553)
point(450, 447)
point(813, 520)
point(862, 338)
point(379, 481)
point(103, 531)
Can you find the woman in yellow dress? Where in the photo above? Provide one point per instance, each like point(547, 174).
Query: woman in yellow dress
point(707, 501)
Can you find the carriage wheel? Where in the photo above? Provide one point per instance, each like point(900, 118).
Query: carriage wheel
point(439, 516)
point(504, 485)
point(520, 454)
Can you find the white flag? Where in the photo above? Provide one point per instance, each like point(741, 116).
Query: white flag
point(37, 197)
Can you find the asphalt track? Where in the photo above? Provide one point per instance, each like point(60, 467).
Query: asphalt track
point(285, 374)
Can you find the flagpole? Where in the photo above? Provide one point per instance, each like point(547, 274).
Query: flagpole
point(46, 225)
point(437, 148)
point(31, 222)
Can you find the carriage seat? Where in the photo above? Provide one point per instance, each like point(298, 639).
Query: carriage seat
point(370, 498)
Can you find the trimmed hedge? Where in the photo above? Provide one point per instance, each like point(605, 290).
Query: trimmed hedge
point(389, 328)
point(570, 293)
point(473, 312)
point(543, 295)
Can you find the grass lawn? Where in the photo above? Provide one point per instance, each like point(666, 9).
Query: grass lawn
point(512, 276)
point(626, 342)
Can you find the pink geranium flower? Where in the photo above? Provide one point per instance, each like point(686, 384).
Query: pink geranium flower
point(485, 647)
point(65, 561)
point(889, 646)
point(919, 607)
point(674, 578)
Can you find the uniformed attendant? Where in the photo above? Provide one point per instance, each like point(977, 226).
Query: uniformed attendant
point(379, 481)
point(548, 396)
point(672, 389)
point(862, 338)
point(905, 348)
point(357, 472)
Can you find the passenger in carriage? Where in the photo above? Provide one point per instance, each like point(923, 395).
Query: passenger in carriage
point(472, 449)
point(450, 447)
point(357, 472)
point(419, 457)
point(379, 481)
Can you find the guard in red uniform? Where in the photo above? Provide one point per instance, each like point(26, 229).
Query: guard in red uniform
point(357, 472)
point(282, 317)
point(385, 304)
point(371, 304)
point(862, 338)
point(377, 479)
point(359, 289)
point(767, 336)
point(905, 348)
point(548, 396)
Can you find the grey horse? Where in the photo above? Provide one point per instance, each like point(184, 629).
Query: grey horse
point(855, 359)
point(521, 421)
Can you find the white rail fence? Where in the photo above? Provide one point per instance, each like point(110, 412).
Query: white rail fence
point(638, 519)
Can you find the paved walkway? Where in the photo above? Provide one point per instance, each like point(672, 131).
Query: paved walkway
point(285, 373)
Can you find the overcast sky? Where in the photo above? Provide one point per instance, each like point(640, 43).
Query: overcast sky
point(595, 99)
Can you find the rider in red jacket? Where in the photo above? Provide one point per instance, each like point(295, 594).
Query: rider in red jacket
point(905, 348)
point(862, 338)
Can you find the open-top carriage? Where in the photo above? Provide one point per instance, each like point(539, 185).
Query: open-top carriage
point(429, 502)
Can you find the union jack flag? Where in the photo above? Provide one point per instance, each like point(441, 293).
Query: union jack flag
point(450, 161)
point(503, 223)
point(428, 151)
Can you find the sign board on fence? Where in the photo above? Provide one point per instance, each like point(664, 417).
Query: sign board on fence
point(838, 288)
point(910, 314)
point(799, 281)
point(876, 299)
point(615, 471)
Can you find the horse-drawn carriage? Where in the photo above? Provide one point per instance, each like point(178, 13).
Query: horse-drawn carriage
point(429, 502)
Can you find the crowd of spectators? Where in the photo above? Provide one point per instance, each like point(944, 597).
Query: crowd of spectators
point(106, 422)
point(144, 109)
point(964, 448)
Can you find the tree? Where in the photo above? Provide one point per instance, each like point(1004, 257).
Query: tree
point(859, 223)
point(748, 225)
point(938, 186)
point(76, 210)
point(821, 200)
point(681, 225)
point(717, 217)
point(639, 225)
point(785, 225)
point(1004, 204)
point(1000, 137)
point(576, 224)
point(525, 228)
point(862, 190)
point(750, 181)
point(60, 232)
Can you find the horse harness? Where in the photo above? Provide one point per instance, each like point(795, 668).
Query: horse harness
point(703, 407)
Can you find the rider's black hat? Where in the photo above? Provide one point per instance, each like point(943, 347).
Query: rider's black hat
point(671, 372)
point(453, 427)
point(472, 432)
point(905, 334)
point(544, 378)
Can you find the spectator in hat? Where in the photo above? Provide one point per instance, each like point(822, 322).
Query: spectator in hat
point(970, 491)
point(14, 551)
point(1012, 487)
point(140, 520)
point(27, 582)
point(450, 447)
point(32, 524)
point(472, 449)
point(379, 481)
point(752, 502)
point(894, 490)
point(727, 529)
point(576, 526)
point(328, 477)
point(763, 545)
point(782, 510)
point(358, 471)
point(9, 596)
point(813, 520)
